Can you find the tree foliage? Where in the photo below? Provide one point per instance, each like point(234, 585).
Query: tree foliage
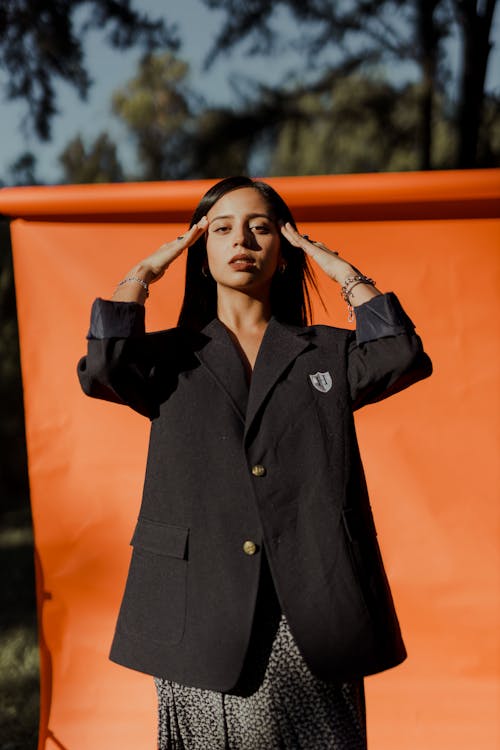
point(375, 32)
point(95, 163)
point(408, 120)
point(41, 41)
point(23, 170)
point(156, 107)
point(363, 124)
point(355, 122)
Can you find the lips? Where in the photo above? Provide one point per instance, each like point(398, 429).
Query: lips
point(242, 261)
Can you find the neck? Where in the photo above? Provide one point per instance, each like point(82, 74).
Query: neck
point(240, 311)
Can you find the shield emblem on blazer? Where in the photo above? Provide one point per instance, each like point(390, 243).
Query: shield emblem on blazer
point(322, 381)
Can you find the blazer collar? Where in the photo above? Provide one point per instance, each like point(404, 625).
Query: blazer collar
point(220, 356)
point(280, 346)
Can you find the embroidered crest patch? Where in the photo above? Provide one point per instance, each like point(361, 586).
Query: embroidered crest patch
point(322, 381)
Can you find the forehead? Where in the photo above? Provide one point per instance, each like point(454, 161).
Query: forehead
point(240, 203)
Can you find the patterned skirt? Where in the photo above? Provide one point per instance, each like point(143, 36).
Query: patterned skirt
point(277, 705)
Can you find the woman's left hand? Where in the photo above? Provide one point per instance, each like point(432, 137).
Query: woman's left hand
point(329, 260)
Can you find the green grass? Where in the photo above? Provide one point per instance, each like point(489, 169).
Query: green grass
point(19, 661)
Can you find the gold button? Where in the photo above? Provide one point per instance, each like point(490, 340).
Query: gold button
point(258, 470)
point(249, 547)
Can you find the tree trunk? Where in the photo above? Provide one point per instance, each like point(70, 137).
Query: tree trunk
point(427, 40)
point(476, 28)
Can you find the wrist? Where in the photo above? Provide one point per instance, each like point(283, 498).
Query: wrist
point(355, 290)
point(345, 271)
point(131, 289)
point(144, 272)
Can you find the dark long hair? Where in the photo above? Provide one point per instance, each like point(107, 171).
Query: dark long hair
point(290, 301)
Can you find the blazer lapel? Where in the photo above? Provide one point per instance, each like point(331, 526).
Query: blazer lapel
point(279, 347)
point(220, 357)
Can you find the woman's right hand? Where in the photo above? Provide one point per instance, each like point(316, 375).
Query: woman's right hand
point(151, 269)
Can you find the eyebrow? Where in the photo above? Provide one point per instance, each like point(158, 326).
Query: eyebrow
point(249, 216)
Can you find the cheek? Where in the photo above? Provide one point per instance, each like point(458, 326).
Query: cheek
point(275, 252)
point(213, 253)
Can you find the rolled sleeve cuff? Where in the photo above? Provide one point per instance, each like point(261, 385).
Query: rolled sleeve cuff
point(380, 317)
point(116, 320)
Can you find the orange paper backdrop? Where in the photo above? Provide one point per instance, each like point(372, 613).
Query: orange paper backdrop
point(430, 453)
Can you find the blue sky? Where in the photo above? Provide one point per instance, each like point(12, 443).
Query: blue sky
point(110, 69)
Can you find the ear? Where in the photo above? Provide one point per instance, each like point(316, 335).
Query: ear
point(282, 264)
point(205, 270)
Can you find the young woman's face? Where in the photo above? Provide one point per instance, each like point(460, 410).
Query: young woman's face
point(243, 241)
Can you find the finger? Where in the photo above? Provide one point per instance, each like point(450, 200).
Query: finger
point(292, 235)
point(298, 240)
point(305, 242)
point(199, 228)
point(193, 233)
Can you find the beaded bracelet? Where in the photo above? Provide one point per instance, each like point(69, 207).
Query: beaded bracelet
point(347, 288)
point(359, 279)
point(144, 284)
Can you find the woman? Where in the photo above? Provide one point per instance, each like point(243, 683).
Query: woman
point(256, 594)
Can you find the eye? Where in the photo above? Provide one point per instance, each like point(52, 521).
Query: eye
point(222, 229)
point(261, 228)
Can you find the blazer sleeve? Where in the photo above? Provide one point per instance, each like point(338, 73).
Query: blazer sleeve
point(385, 355)
point(120, 363)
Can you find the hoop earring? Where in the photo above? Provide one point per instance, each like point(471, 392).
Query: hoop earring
point(204, 271)
point(282, 267)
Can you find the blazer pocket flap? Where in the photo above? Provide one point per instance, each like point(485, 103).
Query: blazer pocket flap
point(161, 538)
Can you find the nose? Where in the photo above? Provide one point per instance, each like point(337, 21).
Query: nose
point(242, 235)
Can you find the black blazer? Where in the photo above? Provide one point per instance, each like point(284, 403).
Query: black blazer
point(233, 470)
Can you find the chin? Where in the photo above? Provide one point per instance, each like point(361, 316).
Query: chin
point(246, 281)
